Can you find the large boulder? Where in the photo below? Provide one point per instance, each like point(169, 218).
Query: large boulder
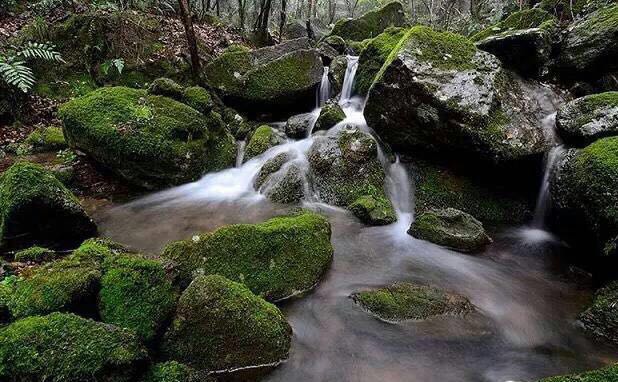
point(586, 119)
point(330, 115)
point(151, 141)
point(406, 301)
point(601, 317)
point(272, 79)
point(276, 259)
point(371, 23)
point(66, 347)
point(35, 208)
point(452, 97)
point(609, 373)
point(451, 228)
point(220, 326)
point(346, 172)
point(584, 194)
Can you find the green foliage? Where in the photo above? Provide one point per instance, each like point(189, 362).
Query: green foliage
point(198, 98)
point(35, 254)
point(116, 63)
point(48, 138)
point(173, 371)
point(13, 68)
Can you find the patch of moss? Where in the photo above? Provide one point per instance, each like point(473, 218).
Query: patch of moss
point(173, 371)
point(373, 55)
point(62, 84)
point(221, 326)
point(275, 259)
point(270, 167)
point(373, 210)
point(67, 347)
point(198, 98)
point(525, 19)
point(166, 87)
point(371, 23)
point(226, 71)
point(606, 374)
point(48, 138)
point(330, 115)
point(262, 139)
point(35, 254)
point(601, 317)
point(405, 301)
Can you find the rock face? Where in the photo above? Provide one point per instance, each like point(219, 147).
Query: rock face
point(276, 259)
point(451, 228)
point(609, 373)
point(268, 79)
point(262, 139)
point(336, 73)
point(330, 115)
point(584, 120)
point(35, 208)
point(601, 318)
point(590, 48)
point(373, 55)
point(371, 23)
point(406, 301)
point(151, 141)
point(221, 326)
point(69, 348)
point(346, 172)
point(584, 193)
point(453, 97)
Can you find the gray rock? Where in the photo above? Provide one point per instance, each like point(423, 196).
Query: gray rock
point(270, 167)
point(298, 126)
point(336, 74)
point(287, 185)
point(371, 23)
point(586, 119)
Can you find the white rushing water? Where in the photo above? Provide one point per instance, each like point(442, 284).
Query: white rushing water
point(324, 89)
point(543, 199)
point(348, 80)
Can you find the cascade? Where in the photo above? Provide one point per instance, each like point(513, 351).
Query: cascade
point(324, 89)
point(240, 152)
point(543, 199)
point(348, 80)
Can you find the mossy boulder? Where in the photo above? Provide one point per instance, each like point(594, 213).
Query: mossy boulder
point(451, 228)
point(136, 294)
point(346, 172)
point(287, 185)
point(151, 141)
point(35, 255)
point(609, 373)
point(47, 138)
point(406, 301)
point(262, 139)
point(371, 23)
point(276, 259)
point(220, 326)
point(298, 126)
point(173, 371)
point(198, 98)
point(166, 87)
point(586, 119)
point(330, 115)
point(601, 317)
point(270, 167)
point(517, 21)
point(452, 97)
point(584, 194)
point(36, 209)
point(336, 73)
point(66, 347)
point(337, 43)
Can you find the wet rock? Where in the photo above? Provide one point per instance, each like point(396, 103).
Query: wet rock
point(221, 326)
point(584, 194)
point(609, 373)
point(287, 185)
point(330, 115)
point(151, 141)
point(69, 348)
point(601, 317)
point(371, 23)
point(451, 228)
point(36, 208)
point(337, 43)
point(327, 52)
point(262, 139)
point(336, 74)
point(584, 120)
point(406, 301)
point(276, 259)
point(346, 171)
point(298, 126)
point(270, 167)
point(453, 97)
point(373, 55)
point(46, 139)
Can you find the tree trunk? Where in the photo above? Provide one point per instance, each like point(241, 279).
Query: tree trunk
point(282, 18)
point(185, 15)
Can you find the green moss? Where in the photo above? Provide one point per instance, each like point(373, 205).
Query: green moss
point(166, 87)
point(606, 374)
point(198, 98)
point(35, 254)
point(65, 347)
point(330, 115)
point(225, 71)
point(528, 18)
point(136, 294)
point(270, 167)
point(235, 48)
point(373, 210)
point(275, 259)
point(406, 301)
point(262, 139)
point(371, 23)
point(173, 371)
point(374, 54)
point(62, 84)
point(601, 317)
point(569, 8)
point(594, 101)
point(220, 325)
point(48, 138)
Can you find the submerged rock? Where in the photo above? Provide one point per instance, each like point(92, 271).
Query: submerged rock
point(151, 141)
point(584, 120)
point(220, 326)
point(330, 115)
point(371, 23)
point(68, 348)
point(453, 97)
point(406, 301)
point(609, 373)
point(346, 172)
point(287, 185)
point(451, 228)
point(298, 126)
point(601, 318)
point(270, 167)
point(262, 139)
point(36, 208)
point(276, 259)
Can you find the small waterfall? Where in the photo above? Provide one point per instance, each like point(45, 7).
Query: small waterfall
point(324, 90)
point(399, 189)
point(542, 202)
point(348, 80)
point(240, 153)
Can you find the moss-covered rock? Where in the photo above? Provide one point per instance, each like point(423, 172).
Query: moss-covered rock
point(166, 87)
point(609, 373)
point(601, 317)
point(276, 259)
point(286, 185)
point(173, 371)
point(65, 347)
point(221, 326)
point(298, 126)
point(262, 139)
point(151, 141)
point(452, 97)
point(337, 43)
point(35, 208)
point(584, 193)
point(586, 119)
point(371, 23)
point(270, 167)
point(198, 98)
point(406, 301)
point(136, 294)
point(49, 138)
point(520, 20)
point(330, 115)
point(35, 255)
point(336, 74)
point(346, 172)
point(451, 228)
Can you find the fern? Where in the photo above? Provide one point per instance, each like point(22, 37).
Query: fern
point(39, 50)
point(13, 68)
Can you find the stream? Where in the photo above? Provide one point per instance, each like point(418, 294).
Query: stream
point(525, 324)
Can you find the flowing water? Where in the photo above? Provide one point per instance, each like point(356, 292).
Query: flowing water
point(524, 326)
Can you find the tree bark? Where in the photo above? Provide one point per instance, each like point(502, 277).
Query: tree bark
point(185, 15)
